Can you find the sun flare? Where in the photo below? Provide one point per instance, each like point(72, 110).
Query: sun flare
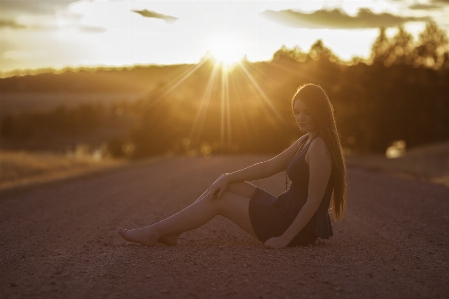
point(225, 50)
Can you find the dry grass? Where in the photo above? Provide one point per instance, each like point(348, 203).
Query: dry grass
point(20, 168)
point(428, 162)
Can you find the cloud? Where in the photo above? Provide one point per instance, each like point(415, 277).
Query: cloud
point(432, 5)
point(24, 54)
point(425, 6)
point(91, 29)
point(33, 7)
point(12, 24)
point(337, 19)
point(152, 14)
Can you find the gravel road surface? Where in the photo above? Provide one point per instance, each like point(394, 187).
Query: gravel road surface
point(59, 240)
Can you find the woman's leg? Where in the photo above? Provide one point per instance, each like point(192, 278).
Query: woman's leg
point(233, 205)
point(172, 240)
point(243, 188)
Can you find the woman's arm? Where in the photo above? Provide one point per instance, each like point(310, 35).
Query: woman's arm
point(320, 167)
point(257, 171)
point(266, 168)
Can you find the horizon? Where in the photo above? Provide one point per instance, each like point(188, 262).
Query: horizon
point(120, 34)
point(94, 68)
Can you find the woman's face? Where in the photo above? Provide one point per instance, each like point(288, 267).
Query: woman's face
point(306, 122)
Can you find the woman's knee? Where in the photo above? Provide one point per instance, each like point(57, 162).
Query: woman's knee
point(221, 204)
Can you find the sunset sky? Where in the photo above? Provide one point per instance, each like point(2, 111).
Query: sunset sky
point(66, 33)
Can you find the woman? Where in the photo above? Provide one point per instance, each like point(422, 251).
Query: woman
point(314, 164)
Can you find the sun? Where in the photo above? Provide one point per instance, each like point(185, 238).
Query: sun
point(225, 50)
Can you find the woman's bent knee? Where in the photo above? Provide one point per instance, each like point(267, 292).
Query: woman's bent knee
point(221, 204)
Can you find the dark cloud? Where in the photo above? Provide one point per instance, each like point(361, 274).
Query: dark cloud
point(432, 5)
point(429, 6)
point(337, 19)
point(33, 6)
point(152, 14)
point(9, 23)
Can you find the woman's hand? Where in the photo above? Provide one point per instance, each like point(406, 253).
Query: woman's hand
point(219, 186)
point(277, 242)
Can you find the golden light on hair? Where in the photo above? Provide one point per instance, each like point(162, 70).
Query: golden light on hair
point(321, 108)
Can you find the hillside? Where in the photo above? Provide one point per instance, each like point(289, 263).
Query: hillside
point(135, 79)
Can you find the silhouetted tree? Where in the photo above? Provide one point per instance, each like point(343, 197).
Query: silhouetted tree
point(380, 50)
point(294, 54)
point(401, 48)
point(432, 46)
point(320, 52)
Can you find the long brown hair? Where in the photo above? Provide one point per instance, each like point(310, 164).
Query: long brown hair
point(321, 108)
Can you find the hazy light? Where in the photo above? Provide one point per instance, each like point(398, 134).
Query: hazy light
point(98, 32)
point(265, 98)
point(225, 50)
point(175, 83)
point(198, 124)
point(396, 150)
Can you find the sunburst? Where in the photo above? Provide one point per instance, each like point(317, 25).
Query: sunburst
point(225, 50)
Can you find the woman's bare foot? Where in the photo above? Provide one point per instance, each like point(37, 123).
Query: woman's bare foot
point(170, 240)
point(145, 236)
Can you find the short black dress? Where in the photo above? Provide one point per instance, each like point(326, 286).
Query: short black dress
point(271, 216)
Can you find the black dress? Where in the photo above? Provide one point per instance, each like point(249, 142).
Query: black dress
point(271, 216)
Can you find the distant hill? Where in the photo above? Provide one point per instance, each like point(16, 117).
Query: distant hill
point(123, 80)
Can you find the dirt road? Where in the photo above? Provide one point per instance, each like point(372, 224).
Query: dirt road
point(59, 240)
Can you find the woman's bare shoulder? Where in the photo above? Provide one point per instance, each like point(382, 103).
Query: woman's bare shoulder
point(318, 142)
point(318, 149)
